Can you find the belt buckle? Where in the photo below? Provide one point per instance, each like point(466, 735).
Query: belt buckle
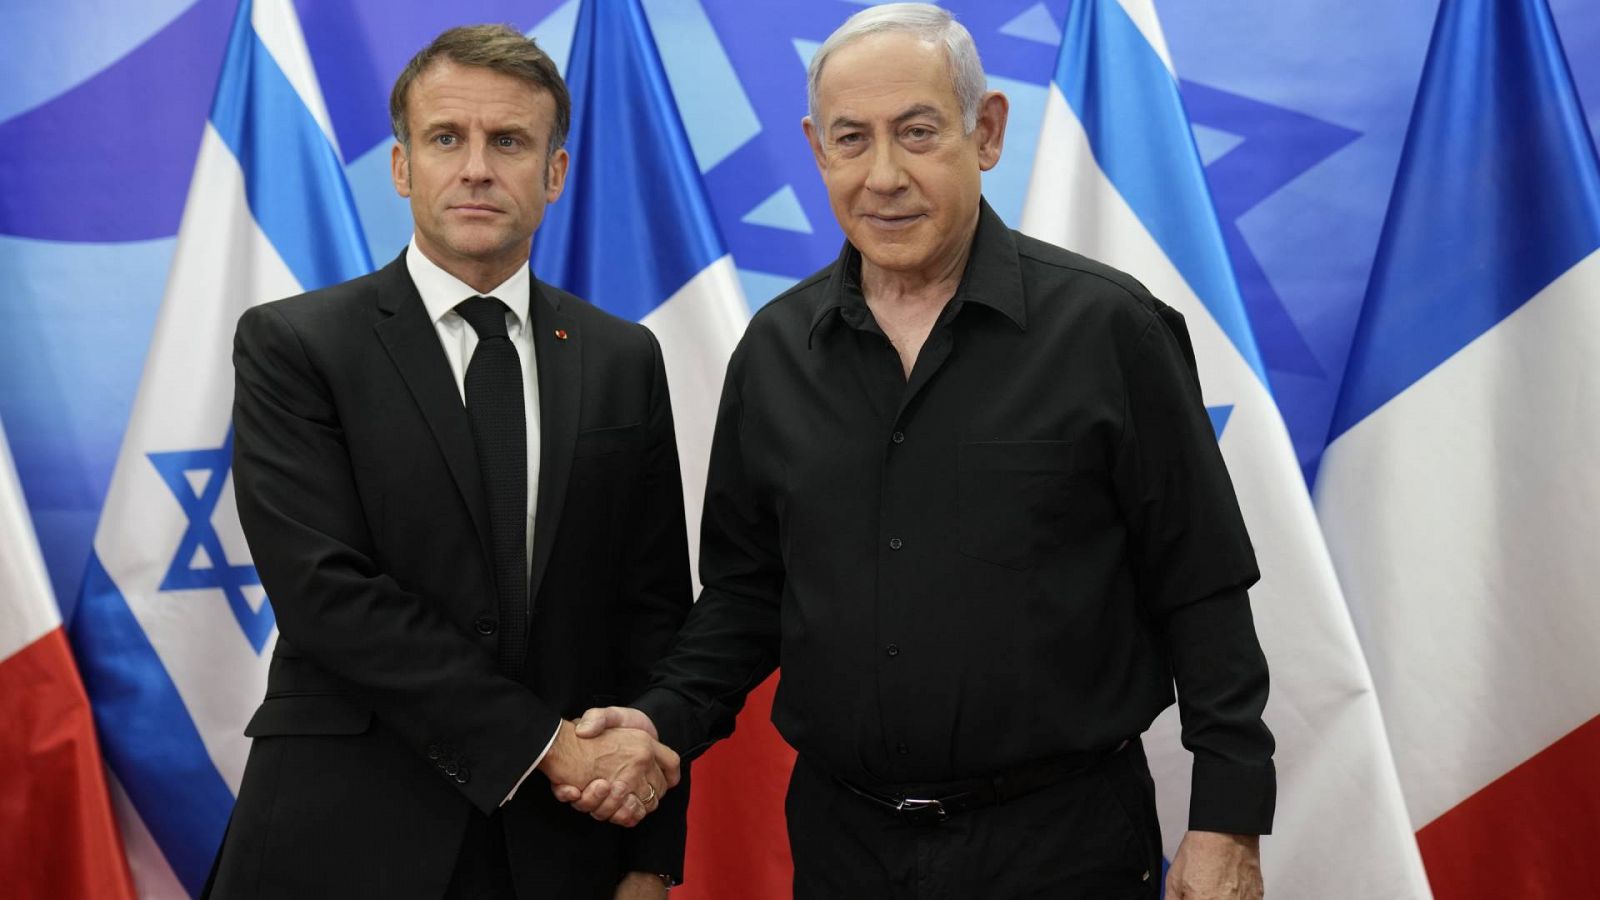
point(922, 811)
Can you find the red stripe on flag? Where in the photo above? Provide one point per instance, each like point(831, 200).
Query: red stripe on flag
point(60, 839)
point(1529, 834)
point(738, 844)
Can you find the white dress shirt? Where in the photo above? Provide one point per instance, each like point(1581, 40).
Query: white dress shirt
point(440, 292)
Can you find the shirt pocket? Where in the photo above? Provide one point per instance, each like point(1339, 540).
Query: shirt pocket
point(1012, 498)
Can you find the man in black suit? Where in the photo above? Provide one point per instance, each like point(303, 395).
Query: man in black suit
point(451, 477)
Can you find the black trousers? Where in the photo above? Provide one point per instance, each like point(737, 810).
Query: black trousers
point(1093, 835)
point(483, 870)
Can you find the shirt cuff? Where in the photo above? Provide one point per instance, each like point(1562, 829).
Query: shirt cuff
point(538, 759)
point(1232, 798)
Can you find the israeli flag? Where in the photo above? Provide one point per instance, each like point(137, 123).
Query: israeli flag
point(634, 232)
point(1117, 177)
point(172, 630)
point(1459, 493)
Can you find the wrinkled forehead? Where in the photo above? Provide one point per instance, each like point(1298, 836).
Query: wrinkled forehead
point(884, 75)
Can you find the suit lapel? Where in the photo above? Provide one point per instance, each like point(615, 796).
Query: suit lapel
point(413, 344)
point(558, 348)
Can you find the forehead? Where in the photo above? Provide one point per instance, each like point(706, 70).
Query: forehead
point(882, 74)
point(461, 94)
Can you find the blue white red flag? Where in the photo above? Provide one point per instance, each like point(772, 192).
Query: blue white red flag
point(634, 233)
point(61, 839)
point(1458, 491)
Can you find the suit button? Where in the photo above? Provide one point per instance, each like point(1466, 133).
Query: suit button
point(899, 437)
point(896, 543)
point(892, 649)
point(486, 625)
point(463, 776)
point(452, 769)
point(433, 751)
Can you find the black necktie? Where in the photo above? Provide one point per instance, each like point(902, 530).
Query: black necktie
point(494, 392)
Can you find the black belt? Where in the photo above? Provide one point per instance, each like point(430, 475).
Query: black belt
point(964, 796)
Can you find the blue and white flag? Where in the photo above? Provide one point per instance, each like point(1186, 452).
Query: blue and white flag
point(634, 232)
point(1459, 490)
point(173, 631)
point(1118, 178)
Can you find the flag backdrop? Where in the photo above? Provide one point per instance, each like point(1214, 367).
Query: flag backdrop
point(1298, 111)
point(1117, 177)
point(1459, 490)
point(173, 630)
point(60, 837)
point(634, 233)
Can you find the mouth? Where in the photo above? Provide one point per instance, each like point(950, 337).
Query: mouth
point(476, 209)
point(890, 222)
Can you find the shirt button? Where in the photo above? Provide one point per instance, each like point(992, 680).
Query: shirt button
point(892, 649)
point(895, 544)
point(902, 749)
point(899, 437)
point(485, 625)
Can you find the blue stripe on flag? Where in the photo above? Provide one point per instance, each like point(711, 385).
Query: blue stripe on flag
point(1128, 103)
point(1498, 193)
point(293, 178)
point(146, 733)
point(635, 224)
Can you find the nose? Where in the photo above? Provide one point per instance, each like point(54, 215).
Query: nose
point(475, 164)
point(886, 175)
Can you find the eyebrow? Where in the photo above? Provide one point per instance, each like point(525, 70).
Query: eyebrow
point(451, 125)
point(915, 112)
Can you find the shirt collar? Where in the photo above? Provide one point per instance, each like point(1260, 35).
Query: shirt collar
point(441, 291)
point(993, 277)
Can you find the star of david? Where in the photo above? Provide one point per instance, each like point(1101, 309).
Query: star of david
point(200, 562)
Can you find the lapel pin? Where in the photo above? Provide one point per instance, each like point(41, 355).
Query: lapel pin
point(561, 334)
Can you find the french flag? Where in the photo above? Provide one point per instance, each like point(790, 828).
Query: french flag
point(60, 838)
point(1458, 492)
point(634, 233)
point(1118, 178)
point(172, 629)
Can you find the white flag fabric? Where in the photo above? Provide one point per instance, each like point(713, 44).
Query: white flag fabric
point(172, 630)
point(1117, 177)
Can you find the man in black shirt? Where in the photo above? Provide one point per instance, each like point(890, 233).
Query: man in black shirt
point(963, 487)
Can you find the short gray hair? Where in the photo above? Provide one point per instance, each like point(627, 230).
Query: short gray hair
point(925, 22)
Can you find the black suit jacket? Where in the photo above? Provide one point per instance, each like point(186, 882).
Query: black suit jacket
point(385, 720)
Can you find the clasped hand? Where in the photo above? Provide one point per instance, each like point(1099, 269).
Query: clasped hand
point(625, 769)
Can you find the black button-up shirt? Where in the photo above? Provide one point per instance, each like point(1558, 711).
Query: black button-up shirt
point(1004, 558)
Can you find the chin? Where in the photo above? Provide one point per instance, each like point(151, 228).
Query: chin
point(892, 256)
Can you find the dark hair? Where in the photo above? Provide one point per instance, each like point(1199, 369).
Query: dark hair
point(499, 48)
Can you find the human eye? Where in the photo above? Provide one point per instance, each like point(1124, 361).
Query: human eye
point(508, 142)
point(849, 140)
point(919, 133)
point(445, 139)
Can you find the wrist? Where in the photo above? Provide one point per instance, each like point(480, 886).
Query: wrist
point(564, 750)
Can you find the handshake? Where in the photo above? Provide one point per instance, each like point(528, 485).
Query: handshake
point(611, 765)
